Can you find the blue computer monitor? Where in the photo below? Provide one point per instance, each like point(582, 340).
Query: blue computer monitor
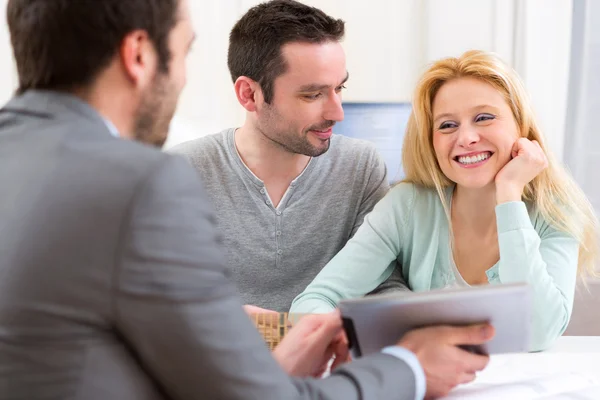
point(381, 123)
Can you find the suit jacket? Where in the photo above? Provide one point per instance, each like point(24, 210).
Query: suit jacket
point(112, 279)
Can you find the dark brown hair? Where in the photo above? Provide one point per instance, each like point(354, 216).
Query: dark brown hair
point(256, 39)
point(65, 44)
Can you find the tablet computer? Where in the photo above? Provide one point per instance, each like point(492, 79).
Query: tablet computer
point(374, 322)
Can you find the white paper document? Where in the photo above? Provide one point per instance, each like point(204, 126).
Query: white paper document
point(534, 376)
point(545, 388)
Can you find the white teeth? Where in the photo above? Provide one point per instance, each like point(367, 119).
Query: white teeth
point(474, 159)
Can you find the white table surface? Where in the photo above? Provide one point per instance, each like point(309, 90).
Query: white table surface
point(574, 361)
point(576, 344)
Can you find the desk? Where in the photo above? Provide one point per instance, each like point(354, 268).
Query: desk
point(570, 370)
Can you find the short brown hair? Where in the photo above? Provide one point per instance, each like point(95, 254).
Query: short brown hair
point(256, 39)
point(64, 44)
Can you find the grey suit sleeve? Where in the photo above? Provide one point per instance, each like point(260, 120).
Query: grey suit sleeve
point(180, 314)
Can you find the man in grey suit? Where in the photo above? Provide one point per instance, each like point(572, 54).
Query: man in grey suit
point(112, 279)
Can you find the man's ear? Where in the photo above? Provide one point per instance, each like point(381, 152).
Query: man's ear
point(139, 58)
point(249, 93)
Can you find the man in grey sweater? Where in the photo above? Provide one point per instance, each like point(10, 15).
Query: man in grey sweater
point(288, 192)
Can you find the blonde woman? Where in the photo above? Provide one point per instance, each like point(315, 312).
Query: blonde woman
point(483, 202)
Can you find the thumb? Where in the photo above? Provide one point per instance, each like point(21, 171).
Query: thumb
point(517, 147)
point(473, 334)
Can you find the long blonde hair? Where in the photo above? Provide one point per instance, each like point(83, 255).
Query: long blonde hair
point(553, 192)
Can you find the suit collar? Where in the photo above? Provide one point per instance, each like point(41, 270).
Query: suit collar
point(52, 105)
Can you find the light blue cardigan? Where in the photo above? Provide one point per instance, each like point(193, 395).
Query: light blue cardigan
point(409, 224)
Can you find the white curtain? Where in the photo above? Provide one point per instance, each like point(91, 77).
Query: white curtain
point(582, 138)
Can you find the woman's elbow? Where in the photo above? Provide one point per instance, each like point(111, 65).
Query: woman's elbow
point(547, 330)
point(311, 303)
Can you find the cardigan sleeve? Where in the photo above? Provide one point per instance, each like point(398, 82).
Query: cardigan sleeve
point(547, 260)
point(366, 260)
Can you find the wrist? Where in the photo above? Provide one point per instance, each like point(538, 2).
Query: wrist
point(506, 192)
point(285, 362)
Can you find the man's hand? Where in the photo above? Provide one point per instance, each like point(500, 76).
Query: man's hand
point(310, 344)
point(445, 364)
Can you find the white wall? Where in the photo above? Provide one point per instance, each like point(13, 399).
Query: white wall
point(8, 76)
point(543, 51)
point(453, 27)
point(208, 103)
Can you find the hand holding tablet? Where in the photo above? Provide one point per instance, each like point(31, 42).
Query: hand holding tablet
point(372, 323)
point(451, 332)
